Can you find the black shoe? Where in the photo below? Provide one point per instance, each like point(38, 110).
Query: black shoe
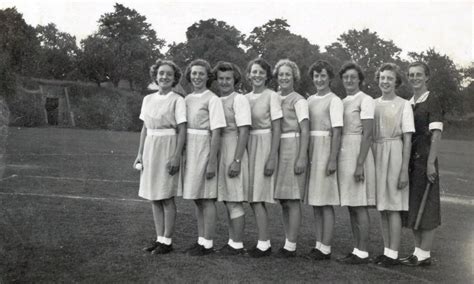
point(378, 258)
point(284, 253)
point(194, 247)
point(201, 251)
point(257, 253)
point(228, 250)
point(154, 245)
point(353, 259)
point(163, 249)
point(386, 261)
point(412, 260)
point(316, 254)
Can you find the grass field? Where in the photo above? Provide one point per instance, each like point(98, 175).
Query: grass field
point(69, 212)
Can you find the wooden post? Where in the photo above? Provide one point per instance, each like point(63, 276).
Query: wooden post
point(43, 101)
point(69, 111)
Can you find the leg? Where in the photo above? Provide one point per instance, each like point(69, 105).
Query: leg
point(285, 215)
point(169, 208)
point(158, 217)
point(354, 227)
point(385, 228)
point(395, 223)
point(318, 221)
point(199, 217)
point(261, 219)
point(362, 223)
point(228, 206)
point(427, 237)
point(236, 221)
point(210, 215)
point(417, 236)
point(328, 225)
point(294, 220)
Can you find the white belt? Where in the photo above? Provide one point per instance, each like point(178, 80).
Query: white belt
point(290, 135)
point(260, 131)
point(198, 131)
point(161, 132)
point(320, 133)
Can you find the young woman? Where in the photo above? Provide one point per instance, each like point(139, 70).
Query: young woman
point(233, 163)
point(205, 116)
point(159, 154)
point(292, 156)
point(393, 127)
point(262, 147)
point(326, 121)
point(423, 169)
point(356, 170)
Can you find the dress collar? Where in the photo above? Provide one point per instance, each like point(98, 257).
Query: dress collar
point(421, 99)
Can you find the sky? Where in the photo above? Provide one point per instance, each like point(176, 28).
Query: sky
point(412, 25)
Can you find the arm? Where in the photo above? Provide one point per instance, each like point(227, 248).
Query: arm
point(139, 158)
point(173, 163)
point(431, 170)
point(367, 133)
point(302, 159)
point(234, 168)
point(215, 144)
point(403, 177)
point(335, 145)
point(276, 133)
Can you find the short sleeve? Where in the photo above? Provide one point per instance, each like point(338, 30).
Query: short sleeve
point(242, 112)
point(336, 112)
point(275, 106)
point(367, 107)
point(435, 114)
point(216, 113)
point(143, 109)
point(180, 111)
point(301, 109)
point(408, 123)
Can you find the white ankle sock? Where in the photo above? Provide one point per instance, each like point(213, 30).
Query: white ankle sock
point(325, 249)
point(159, 239)
point(166, 241)
point(200, 240)
point(393, 254)
point(207, 243)
point(416, 251)
point(289, 246)
point(422, 254)
point(385, 251)
point(318, 245)
point(235, 245)
point(263, 245)
point(360, 253)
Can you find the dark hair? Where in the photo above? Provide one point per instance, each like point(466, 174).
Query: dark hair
point(318, 66)
point(352, 66)
point(154, 70)
point(422, 64)
point(262, 63)
point(390, 67)
point(203, 63)
point(224, 66)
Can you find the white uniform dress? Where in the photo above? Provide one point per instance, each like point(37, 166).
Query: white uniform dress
point(204, 113)
point(325, 113)
point(161, 115)
point(289, 185)
point(392, 118)
point(265, 107)
point(356, 107)
point(237, 114)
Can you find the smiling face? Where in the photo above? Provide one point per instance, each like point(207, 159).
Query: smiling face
point(198, 77)
point(257, 76)
point(225, 82)
point(350, 80)
point(321, 80)
point(417, 77)
point(387, 81)
point(165, 77)
point(285, 77)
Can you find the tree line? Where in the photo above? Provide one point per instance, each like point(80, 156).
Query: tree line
point(125, 45)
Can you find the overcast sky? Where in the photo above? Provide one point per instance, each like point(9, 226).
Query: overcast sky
point(411, 25)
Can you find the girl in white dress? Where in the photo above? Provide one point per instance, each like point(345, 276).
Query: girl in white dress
point(356, 170)
point(262, 148)
point(393, 128)
point(159, 154)
point(233, 162)
point(326, 121)
point(292, 156)
point(206, 118)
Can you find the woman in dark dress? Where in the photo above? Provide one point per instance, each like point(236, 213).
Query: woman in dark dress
point(423, 167)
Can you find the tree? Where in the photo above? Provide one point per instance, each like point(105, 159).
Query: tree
point(260, 36)
point(96, 60)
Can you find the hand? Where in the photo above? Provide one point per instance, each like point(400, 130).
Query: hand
point(234, 169)
point(300, 165)
point(403, 179)
point(173, 165)
point(138, 160)
point(431, 172)
point(331, 167)
point(211, 170)
point(359, 174)
point(269, 167)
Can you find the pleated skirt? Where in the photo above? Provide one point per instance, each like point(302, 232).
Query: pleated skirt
point(288, 184)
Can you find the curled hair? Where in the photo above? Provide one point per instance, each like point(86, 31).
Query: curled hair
point(203, 63)
point(224, 66)
point(390, 67)
point(425, 66)
point(294, 69)
point(154, 70)
point(262, 63)
point(318, 66)
point(352, 66)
